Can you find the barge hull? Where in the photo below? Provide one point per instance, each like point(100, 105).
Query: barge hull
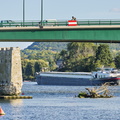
point(110, 80)
point(64, 81)
point(47, 80)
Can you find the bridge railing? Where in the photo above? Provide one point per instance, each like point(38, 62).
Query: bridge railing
point(19, 24)
point(60, 23)
point(98, 22)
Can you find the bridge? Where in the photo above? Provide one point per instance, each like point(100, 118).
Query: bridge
point(83, 31)
point(61, 31)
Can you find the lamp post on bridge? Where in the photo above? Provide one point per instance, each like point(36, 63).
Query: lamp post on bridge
point(41, 12)
point(23, 12)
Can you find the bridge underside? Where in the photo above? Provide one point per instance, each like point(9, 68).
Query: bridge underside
point(110, 34)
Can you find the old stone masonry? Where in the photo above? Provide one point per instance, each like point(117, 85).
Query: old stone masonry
point(10, 71)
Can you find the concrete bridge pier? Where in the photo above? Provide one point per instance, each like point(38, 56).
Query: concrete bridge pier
point(10, 71)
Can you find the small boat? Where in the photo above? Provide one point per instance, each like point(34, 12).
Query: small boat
point(99, 77)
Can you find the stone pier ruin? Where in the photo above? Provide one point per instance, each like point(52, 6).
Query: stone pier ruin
point(10, 71)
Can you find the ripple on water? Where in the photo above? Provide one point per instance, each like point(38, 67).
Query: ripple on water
point(59, 103)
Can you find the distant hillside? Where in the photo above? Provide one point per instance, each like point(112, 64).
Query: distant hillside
point(58, 46)
point(54, 46)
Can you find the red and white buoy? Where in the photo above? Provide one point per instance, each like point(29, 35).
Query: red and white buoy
point(1, 111)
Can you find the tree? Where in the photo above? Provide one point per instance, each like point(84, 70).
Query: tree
point(81, 49)
point(29, 67)
point(76, 53)
point(29, 70)
point(24, 64)
point(104, 56)
point(41, 65)
point(117, 61)
point(46, 55)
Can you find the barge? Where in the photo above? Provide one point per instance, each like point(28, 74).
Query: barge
point(100, 77)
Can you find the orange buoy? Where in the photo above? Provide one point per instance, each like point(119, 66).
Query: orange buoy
point(1, 111)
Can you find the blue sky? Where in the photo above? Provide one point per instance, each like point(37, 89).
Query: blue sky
point(57, 9)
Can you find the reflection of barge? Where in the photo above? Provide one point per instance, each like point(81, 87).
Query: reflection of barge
point(79, 78)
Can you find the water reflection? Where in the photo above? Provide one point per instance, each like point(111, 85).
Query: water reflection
point(13, 102)
point(16, 102)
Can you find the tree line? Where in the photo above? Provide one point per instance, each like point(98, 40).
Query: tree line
point(78, 56)
point(87, 57)
point(29, 67)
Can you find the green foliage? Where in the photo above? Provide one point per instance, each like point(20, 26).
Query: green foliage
point(46, 55)
point(29, 67)
point(82, 50)
point(37, 60)
point(78, 56)
point(86, 57)
point(104, 56)
point(82, 94)
point(117, 61)
point(87, 64)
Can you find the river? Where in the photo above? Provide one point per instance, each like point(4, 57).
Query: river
point(60, 103)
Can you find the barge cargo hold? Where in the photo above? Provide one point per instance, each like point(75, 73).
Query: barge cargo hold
point(64, 78)
point(100, 77)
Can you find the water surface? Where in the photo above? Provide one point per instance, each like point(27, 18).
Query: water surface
point(60, 103)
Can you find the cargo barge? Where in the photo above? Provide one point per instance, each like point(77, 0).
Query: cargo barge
point(79, 78)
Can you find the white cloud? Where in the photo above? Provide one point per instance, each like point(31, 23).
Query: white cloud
point(115, 10)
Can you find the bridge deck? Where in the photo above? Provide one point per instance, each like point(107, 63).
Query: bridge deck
point(61, 27)
point(83, 33)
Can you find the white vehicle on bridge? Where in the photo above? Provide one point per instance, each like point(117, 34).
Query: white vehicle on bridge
point(53, 22)
point(8, 23)
point(49, 22)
